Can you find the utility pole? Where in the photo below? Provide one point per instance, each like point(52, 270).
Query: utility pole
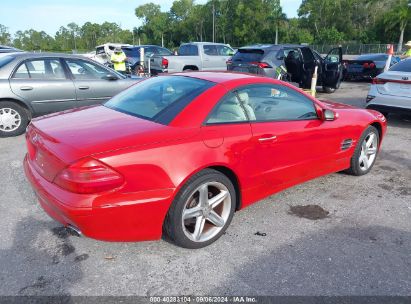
point(213, 22)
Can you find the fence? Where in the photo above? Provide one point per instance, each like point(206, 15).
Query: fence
point(354, 49)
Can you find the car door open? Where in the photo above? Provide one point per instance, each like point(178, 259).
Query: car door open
point(332, 69)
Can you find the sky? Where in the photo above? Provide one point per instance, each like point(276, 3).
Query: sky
point(49, 15)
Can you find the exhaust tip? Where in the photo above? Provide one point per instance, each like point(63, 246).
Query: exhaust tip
point(74, 230)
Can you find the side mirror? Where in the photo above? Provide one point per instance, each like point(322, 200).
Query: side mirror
point(110, 77)
point(328, 115)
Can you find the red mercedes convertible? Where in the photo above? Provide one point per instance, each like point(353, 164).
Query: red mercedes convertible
point(176, 156)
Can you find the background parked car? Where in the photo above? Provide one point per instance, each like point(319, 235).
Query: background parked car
point(4, 50)
point(103, 52)
point(367, 66)
point(34, 84)
point(262, 59)
point(195, 56)
point(299, 61)
point(150, 51)
point(390, 92)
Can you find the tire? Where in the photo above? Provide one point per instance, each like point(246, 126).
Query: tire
point(184, 233)
point(329, 90)
point(359, 166)
point(13, 119)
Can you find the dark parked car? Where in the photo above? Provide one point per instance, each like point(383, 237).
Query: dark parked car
point(299, 61)
point(133, 54)
point(34, 84)
point(367, 66)
point(262, 59)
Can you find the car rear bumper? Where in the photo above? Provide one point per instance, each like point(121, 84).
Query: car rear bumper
point(387, 103)
point(389, 109)
point(121, 217)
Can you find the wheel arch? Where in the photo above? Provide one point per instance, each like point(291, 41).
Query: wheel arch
point(234, 179)
point(378, 126)
point(190, 67)
point(20, 103)
point(223, 169)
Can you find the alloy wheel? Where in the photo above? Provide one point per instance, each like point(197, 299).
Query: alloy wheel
point(206, 211)
point(368, 151)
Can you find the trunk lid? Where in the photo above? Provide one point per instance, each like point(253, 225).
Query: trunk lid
point(56, 140)
point(394, 83)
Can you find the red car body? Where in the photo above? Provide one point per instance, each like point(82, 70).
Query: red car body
point(156, 160)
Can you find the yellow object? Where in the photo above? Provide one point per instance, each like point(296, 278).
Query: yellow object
point(119, 61)
point(408, 53)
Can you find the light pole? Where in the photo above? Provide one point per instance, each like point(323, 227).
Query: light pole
point(213, 22)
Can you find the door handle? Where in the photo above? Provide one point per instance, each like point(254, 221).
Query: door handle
point(26, 88)
point(83, 88)
point(268, 138)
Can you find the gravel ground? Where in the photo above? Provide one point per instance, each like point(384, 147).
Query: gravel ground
point(362, 247)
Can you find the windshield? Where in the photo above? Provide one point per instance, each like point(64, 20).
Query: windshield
point(159, 99)
point(5, 60)
point(402, 66)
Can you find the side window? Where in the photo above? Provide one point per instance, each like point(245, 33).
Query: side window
point(22, 72)
point(84, 70)
point(149, 51)
point(210, 50)
point(164, 52)
point(227, 110)
point(276, 103)
point(41, 69)
point(333, 56)
point(223, 50)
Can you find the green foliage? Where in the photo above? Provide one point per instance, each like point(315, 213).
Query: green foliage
point(5, 37)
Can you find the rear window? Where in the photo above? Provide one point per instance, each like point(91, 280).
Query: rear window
point(5, 60)
point(248, 55)
point(402, 66)
point(381, 57)
point(159, 99)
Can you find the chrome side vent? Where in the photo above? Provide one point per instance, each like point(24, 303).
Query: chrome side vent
point(346, 144)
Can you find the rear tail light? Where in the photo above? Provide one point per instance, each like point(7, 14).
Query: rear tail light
point(164, 63)
point(261, 65)
point(378, 81)
point(372, 65)
point(89, 176)
point(366, 65)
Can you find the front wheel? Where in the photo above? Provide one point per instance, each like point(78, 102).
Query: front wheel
point(365, 152)
point(202, 210)
point(13, 119)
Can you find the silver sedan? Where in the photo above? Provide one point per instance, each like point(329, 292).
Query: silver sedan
point(35, 84)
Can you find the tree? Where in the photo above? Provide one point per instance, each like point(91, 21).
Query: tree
point(397, 18)
point(5, 37)
point(154, 21)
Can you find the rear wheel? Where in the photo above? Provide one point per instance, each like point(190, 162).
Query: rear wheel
point(329, 90)
point(365, 152)
point(13, 119)
point(202, 210)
